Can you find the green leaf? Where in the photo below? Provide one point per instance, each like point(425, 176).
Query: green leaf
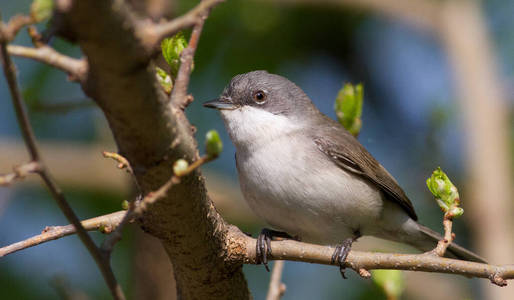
point(445, 193)
point(171, 49)
point(164, 80)
point(213, 144)
point(348, 107)
point(180, 166)
point(390, 281)
point(41, 10)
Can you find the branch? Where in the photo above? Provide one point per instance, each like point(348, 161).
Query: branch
point(76, 68)
point(30, 142)
point(104, 223)
point(19, 172)
point(137, 208)
point(15, 24)
point(276, 288)
point(152, 33)
point(179, 93)
point(243, 247)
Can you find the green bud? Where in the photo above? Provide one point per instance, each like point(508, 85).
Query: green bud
point(180, 167)
point(445, 193)
point(213, 144)
point(164, 80)
point(390, 281)
point(41, 10)
point(171, 49)
point(348, 107)
point(102, 228)
point(124, 205)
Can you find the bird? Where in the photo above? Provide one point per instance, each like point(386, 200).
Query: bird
point(308, 177)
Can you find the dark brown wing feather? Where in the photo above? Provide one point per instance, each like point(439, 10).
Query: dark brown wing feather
point(338, 145)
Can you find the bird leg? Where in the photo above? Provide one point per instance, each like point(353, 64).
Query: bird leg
point(341, 253)
point(263, 245)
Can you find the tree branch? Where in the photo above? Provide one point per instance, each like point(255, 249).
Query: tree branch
point(19, 172)
point(152, 33)
point(30, 142)
point(105, 223)
point(243, 247)
point(276, 287)
point(76, 68)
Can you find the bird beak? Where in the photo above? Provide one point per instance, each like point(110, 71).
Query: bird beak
point(221, 103)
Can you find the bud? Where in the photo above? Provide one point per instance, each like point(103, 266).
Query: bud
point(213, 144)
point(124, 205)
point(348, 107)
point(180, 167)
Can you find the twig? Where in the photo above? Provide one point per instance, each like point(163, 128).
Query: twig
point(76, 68)
point(136, 208)
point(443, 244)
point(276, 288)
point(122, 161)
point(243, 245)
point(19, 172)
point(30, 142)
point(179, 93)
point(15, 24)
point(104, 223)
point(151, 34)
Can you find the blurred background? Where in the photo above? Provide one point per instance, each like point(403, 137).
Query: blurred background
point(413, 121)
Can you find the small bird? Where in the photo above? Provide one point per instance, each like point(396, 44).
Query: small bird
point(308, 177)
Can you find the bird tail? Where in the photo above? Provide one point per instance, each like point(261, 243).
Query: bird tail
point(429, 238)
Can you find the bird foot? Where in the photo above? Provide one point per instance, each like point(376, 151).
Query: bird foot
point(263, 245)
point(341, 253)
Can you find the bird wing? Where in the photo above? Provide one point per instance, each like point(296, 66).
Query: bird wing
point(362, 163)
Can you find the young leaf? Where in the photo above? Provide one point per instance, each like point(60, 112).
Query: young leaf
point(348, 107)
point(41, 10)
point(171, 49)
point(445, 193)
point(390, 281)
point(164, 80)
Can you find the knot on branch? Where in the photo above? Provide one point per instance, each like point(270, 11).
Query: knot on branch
point(498, 279)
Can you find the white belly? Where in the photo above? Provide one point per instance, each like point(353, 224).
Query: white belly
point(305, 194)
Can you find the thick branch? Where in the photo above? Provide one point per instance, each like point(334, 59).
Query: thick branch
point(152, 135)
point(104, 223)
point(76, 68)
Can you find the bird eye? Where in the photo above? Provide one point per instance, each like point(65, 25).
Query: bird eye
point(259, 97)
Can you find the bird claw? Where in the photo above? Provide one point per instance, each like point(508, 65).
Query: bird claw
point(263, 245)
point(340, 255)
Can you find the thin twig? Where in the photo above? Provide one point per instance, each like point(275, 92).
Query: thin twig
point(137, 208)
point(179, 93)
point(15, 24)
point(448, 238)
point(276, 288)
point(105, 223)
point(152, 33)
point(122, 161)
point(30, 142)
point(76, 68)
point(18, 173)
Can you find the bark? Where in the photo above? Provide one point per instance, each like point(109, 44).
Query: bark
point(152, 134)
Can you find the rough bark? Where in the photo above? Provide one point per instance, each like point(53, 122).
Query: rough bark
point(152, 134)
